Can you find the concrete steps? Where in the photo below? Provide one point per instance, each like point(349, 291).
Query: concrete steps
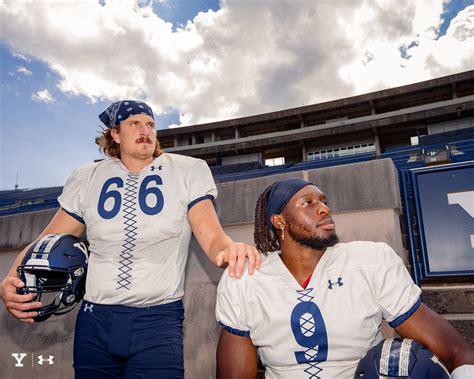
point(455, 303)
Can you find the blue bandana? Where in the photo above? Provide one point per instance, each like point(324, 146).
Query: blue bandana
point(121, 110)
point(281, 193)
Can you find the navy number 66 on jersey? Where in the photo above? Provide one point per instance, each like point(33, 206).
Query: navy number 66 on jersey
point(146, 194)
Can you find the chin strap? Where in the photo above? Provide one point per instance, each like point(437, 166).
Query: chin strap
point(463, 372)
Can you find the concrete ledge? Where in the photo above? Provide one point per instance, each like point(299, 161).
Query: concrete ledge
point(466, 328)
point(17, 231)
point(235, 203)
point(446, 299)
point(381, 225)
point(354, 187)
point(359, 186)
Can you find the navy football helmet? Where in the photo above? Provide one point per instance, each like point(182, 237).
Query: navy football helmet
point(55, 269)
point(400, 358)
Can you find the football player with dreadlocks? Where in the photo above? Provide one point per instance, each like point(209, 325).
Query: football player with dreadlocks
point(316, 306)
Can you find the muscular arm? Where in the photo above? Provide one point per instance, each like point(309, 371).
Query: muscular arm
point(20, 305)
point(236, 357)
point(439, 336)
point(217, 245)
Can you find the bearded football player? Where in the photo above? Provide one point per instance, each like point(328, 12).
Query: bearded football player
point(316, 306)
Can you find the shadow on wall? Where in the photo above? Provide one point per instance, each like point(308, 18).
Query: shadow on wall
point(40, 350)
point(33, 337)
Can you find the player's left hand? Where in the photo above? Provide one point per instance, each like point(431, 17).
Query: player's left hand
point(235, 255)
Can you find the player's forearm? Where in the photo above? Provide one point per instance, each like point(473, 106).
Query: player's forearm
point(219, 243)
point(439, 336)
point(207, 230)
point(465, 357)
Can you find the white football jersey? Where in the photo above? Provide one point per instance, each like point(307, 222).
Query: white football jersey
point(321, 331)
point(137, 226)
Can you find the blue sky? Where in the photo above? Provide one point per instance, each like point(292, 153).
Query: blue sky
point(41, 143)
point(200, 61)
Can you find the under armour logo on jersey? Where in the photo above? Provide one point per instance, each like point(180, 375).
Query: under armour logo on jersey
point(88, 307)
point(153, 168)
point(332, 284)
point(50, 360)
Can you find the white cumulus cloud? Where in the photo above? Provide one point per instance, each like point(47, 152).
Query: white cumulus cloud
point(249, 57)
point(42, 96)
point(24, 71)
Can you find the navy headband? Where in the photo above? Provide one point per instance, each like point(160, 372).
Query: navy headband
point(281, 193)
point(121, 110)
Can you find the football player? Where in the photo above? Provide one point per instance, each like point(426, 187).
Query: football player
point(316, 306)
point(139, 208)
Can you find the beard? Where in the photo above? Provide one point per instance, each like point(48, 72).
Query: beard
point(313, 242)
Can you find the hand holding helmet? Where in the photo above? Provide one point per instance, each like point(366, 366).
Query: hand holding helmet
point(20, 306)
point(53, 270)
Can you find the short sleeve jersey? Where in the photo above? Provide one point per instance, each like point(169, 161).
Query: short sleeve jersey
point(137, 226)
point(323, 330)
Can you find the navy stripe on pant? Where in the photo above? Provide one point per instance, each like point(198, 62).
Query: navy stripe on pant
point(115, 341)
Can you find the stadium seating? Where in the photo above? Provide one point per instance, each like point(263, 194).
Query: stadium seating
point(404, 158)
point(20, 201)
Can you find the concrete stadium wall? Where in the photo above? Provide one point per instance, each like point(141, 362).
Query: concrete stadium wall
point(365, 201)
point(19, 230)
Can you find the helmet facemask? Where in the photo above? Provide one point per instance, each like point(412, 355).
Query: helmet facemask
point(55, 288)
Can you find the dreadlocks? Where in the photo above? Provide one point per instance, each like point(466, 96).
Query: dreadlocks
point(273, 201)
point(264, 237)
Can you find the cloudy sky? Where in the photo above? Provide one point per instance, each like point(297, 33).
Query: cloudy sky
point(62, 62)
